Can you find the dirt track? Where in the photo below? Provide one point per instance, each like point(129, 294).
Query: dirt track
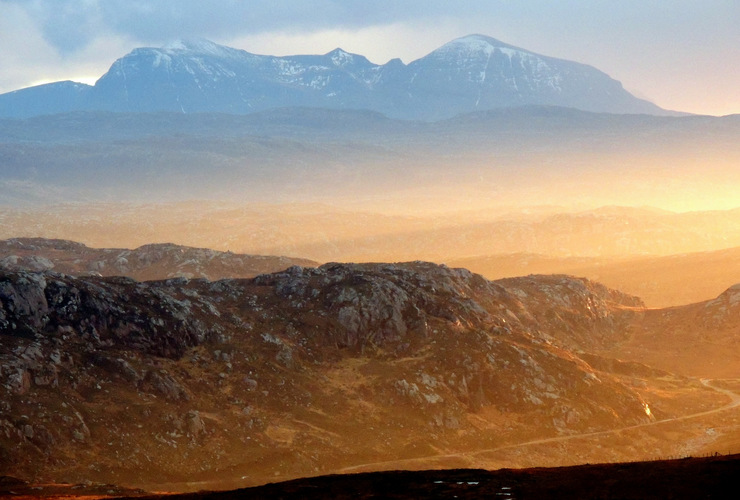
point(399, 464)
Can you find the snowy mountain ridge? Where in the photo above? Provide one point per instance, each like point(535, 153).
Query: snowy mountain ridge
point(471, 73)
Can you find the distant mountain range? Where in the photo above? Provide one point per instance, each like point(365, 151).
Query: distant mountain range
point(468, 74)
point(148, 262)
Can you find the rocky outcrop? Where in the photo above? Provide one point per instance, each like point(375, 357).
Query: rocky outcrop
point(723, 311)
point(582, 313)
point(182, 376)
point(379, 304)
point(94, 313)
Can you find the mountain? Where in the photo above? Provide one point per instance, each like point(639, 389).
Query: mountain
point(148, 262)
point(698, 340)
point(670, 280)
point(295, 373)
point(467, 74)
point(191, 384)
point(478, 73)
point(660, 281)
point(676, 278)
point(49, 98)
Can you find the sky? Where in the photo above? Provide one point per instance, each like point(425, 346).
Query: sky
point(680, 54)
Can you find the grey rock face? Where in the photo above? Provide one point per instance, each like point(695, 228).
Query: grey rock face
point(375, 304)
point(99, 312)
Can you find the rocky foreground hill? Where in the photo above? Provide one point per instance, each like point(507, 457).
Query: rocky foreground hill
point(295, 373)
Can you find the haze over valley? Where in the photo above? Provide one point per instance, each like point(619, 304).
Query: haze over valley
point(220, 269)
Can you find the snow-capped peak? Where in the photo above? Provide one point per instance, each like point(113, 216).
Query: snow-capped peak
point(474, 44)
point(341, 58)
point(199, 46)
point(476, 40)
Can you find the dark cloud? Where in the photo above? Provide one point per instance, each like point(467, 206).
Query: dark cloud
point(66, 24)
point(170, 18)
point(71, 24)
point(69, 27)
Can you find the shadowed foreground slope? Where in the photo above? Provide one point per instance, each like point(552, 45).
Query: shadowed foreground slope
point(692, 478)
point(689, 478)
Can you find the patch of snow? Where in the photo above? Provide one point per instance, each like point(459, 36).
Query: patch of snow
point(509, 52)
point(161, 58)
point(469, 44)
point(341, 58)
point(175, 45)
point(319, 82)
point(201, 46)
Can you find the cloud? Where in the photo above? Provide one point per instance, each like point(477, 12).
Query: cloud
point(380, 43)
point(67, 25)
point(229, 18)
point(31, 56)
point(22, 41)
point(70, 24)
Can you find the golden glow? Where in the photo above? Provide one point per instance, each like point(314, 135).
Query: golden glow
point(88, 80)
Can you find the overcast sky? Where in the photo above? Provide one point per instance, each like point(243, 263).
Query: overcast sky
point(680, 54)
